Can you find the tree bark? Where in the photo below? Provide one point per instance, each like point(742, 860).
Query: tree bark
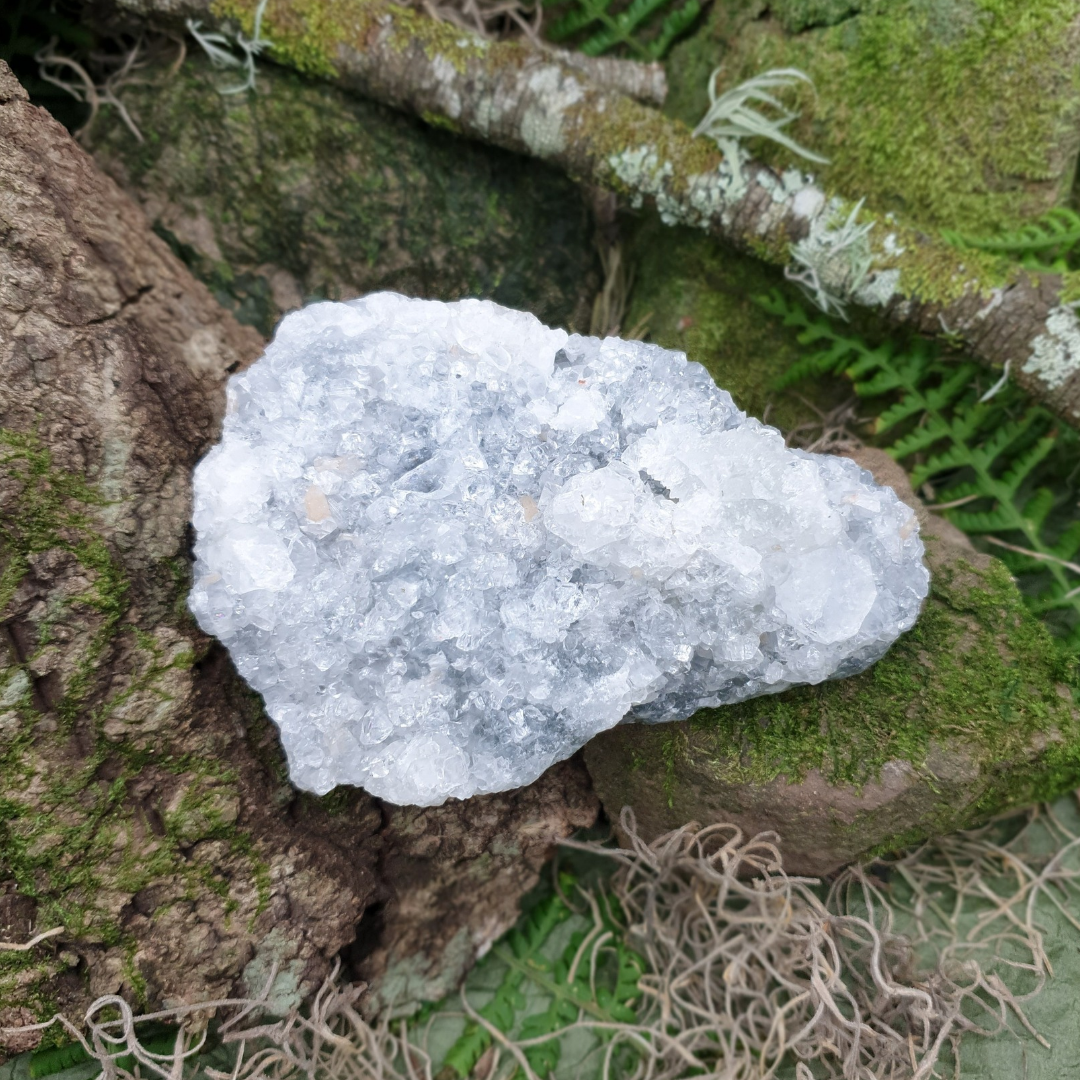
point(144, 803)
point(528, 102)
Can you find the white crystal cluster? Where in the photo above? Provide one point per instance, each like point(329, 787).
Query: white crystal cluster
point(449, 545)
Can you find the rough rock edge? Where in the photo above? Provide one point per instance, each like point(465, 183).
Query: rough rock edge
point(847, 784)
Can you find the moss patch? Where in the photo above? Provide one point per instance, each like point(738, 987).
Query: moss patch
point(977, 670)
point(81, 831)
point(976, 699)
point(963, 113)
point(694, 294)
point(299, 192)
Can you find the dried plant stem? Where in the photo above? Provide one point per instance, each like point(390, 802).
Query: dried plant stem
point(37, 939)
point(112, 72)
point(747, 969)
point(1038, 555)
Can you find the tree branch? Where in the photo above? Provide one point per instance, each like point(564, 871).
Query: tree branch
point(516, 97)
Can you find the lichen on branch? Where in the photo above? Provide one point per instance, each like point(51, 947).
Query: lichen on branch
point(513, 96)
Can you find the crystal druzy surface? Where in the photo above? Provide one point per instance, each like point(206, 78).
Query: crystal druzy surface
point(448, 545)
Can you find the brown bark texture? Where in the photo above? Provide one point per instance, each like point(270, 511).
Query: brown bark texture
point(527, 101)
point(144, 804)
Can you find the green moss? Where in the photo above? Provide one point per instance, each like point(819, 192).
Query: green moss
point(1070, 287)
point(48, 503)
point(951, 112)
point(694, 294)
point(978, 679)
point(307, 34)
point(935, 274)
point(987, 680)
point(71, 836)
point(444, 123)
point(796, 15)
point(299, 192)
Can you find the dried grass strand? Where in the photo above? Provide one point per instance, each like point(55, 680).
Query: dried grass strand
point(746, 969)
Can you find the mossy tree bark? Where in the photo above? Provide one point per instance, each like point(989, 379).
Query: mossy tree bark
point(144, 805)
point(525, 101)
point(300, 191)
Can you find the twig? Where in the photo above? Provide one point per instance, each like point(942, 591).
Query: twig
point(1038, 555)
point(26, 946)
point(938, 507)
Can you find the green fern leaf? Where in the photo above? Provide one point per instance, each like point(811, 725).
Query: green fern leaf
point(1037, 508)
point(809, 366)
point(609, 31)
point(904, 409)
point(1068, 543)
point(157, 1038)
point(956, 457)
point(1005, 436)
point(57, 1059)
point(962, 490)
point(1001, 458)
point(573, 22)
point(882, 383)
point(522, 943)
point(1056, 233)
point(947, 392)
point(674, 26)
point(1023, 466)
point(1001, 519)
point(921, 438)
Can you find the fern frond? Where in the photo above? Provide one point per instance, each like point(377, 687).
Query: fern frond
point(963, 490)
point(813, 364)
point(1023, 466)
point(628, 28)
point(673, 27)
point(1055, 234)
point(573, 22)
point(789, 312)
point(933, 431)
point(904, 409)
point(956, 457)
point(1001, 519)
point(1000, 457)
point(619, 29)
point(1068, 543)
point(502, 1010)
point(1037, 509)
point(950, 389)
point(882, 382)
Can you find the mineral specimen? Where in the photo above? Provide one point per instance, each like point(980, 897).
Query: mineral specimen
point(449, 545)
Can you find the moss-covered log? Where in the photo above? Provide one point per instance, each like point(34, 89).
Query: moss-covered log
point(525, 101)
point(145, 810)
point(299, 191)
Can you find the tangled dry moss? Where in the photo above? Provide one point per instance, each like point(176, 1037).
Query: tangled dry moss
point(885, 973)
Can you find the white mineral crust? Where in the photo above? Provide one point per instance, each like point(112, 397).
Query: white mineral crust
point(449, 545)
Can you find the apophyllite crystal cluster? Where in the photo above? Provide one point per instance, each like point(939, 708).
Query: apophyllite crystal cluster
point(448, 545)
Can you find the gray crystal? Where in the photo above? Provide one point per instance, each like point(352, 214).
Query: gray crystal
point(449, 545)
